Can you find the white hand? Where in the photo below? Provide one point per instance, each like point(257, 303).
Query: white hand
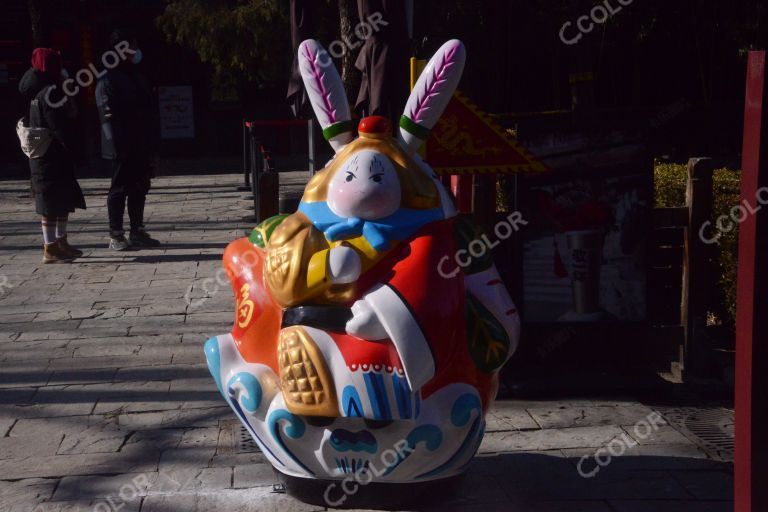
point(344, 265)
point(365, 323)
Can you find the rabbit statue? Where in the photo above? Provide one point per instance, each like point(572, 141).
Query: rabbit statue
point(359, 361)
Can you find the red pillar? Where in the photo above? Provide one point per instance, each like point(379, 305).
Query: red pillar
point(461, 186)
point(751, 457)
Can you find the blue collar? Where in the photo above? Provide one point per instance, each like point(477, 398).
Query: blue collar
point(380, 233)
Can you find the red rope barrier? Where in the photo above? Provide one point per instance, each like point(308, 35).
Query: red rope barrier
point(275, 122)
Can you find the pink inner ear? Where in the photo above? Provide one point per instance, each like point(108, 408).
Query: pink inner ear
point(318, 76)
point(438, 78)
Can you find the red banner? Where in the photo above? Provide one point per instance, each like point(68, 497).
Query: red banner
point(466, 141)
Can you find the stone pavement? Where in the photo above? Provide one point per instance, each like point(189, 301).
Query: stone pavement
point(106, 403)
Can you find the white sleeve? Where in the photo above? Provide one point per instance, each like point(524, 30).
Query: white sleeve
point(405, 333)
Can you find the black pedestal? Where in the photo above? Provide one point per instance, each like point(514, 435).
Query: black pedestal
point(375, 495)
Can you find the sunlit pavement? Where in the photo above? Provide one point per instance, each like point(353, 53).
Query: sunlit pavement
point(106, 403)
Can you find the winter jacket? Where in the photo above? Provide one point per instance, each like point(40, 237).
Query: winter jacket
point(126, 113)
point(54, 186)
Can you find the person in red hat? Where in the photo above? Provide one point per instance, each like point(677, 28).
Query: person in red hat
point(55, 188)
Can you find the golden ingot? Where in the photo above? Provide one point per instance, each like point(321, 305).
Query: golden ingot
point(295, 269)
point(307, 385)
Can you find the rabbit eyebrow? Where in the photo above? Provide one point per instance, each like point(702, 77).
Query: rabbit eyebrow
point(376, 162)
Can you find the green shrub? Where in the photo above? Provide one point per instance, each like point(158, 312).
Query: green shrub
point(727, 194)
point(669, 185)
point(669, 191)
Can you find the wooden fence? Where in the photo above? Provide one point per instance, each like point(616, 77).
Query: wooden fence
point(683, 273)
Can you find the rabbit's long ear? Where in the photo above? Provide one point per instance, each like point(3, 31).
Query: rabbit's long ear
point(326, 93)
point(431, 94)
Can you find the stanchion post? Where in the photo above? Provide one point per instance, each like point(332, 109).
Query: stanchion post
point(311, 146)
point(256, 167)
point(246, 158)
point(269, 189)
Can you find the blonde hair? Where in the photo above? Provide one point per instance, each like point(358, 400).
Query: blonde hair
point(418, 190)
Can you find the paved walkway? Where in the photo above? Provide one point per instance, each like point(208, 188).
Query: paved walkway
point(106, 403)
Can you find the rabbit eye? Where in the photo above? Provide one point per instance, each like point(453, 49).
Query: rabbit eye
point(377, 177)
point(350, 176)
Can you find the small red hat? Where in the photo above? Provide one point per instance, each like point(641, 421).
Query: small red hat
point(47, 61)
point(374, 125)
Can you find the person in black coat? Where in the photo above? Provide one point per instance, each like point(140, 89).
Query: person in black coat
point(125, 103)
point(54, 186)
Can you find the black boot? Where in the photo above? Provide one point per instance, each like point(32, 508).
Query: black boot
point(140, 238)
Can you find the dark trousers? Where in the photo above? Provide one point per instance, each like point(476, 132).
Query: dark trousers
point(131, 180)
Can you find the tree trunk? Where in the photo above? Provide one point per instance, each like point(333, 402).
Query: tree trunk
point(36, 17)
point(349, 75)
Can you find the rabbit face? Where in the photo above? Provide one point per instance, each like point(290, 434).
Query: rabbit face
point(366, 187)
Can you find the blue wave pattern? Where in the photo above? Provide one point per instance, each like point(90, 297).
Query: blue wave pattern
point(390, 398)
point(294, 429)
point(463, 407)
point(430, 435)
point(347, 441)
point(213, 358)
point(250, 383)
point(461, 413)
